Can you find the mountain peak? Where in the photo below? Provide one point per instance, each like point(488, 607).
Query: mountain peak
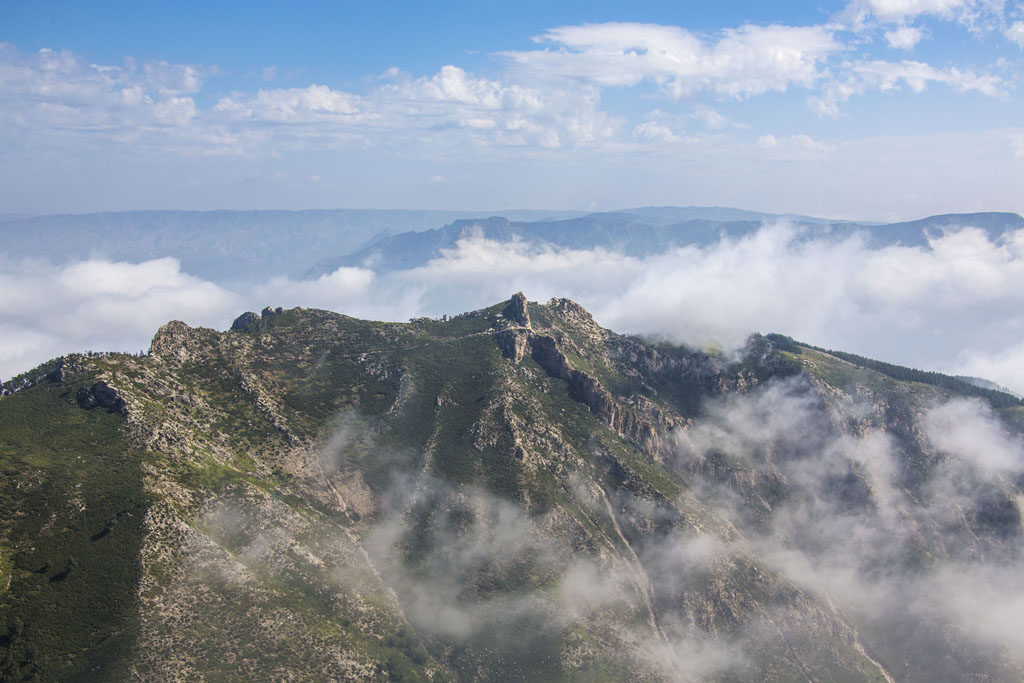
point(517, 310)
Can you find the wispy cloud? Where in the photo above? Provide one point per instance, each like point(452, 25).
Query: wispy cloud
point(887, 77)
point(852, 518)
point(972, 13)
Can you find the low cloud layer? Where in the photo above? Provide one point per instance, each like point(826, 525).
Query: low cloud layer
point(889, 544)
point(96, 305)
point(943, 307)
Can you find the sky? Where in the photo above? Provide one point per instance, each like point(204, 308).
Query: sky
point(860, 109)
point(866, 109)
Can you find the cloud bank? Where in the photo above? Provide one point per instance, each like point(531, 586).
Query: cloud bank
point(941, 307)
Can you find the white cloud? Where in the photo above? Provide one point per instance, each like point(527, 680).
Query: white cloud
point(969, 12)
point(793, 146)
point(835, 293)
point(1006, 363)
point(885, 76)
point(547, 99)
point(55, 100)
point(904, 37)
point(969, 431)
point(451, 108)
point(56, 97)
point(1015, 33)
point(710, 117)
point(745, 61)
point(655, 132)
point(99, 305)
point(176, 111)
point(291, 105)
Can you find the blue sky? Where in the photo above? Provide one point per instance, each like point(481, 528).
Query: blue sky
point(869, 109)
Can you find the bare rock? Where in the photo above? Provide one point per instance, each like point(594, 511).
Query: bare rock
point(514, 343)
point(517, 310)
point(247, 322)
point(103, 395)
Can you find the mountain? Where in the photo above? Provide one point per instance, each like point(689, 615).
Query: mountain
point(666, 215)
point(251, 246)
point(643, 232)
point(513, 493)
point(221, 245)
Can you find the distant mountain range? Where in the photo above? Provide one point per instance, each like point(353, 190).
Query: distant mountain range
point(222, 245)
point(248, 246)
point(642, 232)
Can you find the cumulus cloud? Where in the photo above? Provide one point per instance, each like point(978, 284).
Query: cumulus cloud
point(59, 93)
point(449, 106)
point(904, 37)
point(710, 117)
point(1015, 32)
point(655, 132)
point(746, 61)
point(1017, 143)
point(546, 99)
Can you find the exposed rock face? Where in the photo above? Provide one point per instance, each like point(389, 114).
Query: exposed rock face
point(268, 313)
point(517, 310)
point(544, 349)
point(104, 395)
point(514, 343)
point(250, 322)
point(176, 340)
point(246, 322)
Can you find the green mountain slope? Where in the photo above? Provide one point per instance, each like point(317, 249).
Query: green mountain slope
point(514, 493)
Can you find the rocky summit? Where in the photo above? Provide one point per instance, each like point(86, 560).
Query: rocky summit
point(514, 493)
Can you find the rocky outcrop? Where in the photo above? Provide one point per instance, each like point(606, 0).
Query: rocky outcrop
point(696, 369)
point(517, 310)
point(545, 351)
point(177, 341)
point(103, 395)
point(576, 316)
point(250, 322)
point(589, 391)
point(514, 343)
point(247, 322)
point(582, 387)
point(268, 314)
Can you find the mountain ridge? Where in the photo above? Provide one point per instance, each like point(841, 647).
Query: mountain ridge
point(636, 235)
point(513, 493)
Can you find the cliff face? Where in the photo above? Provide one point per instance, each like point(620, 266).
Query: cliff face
point(512, 494)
